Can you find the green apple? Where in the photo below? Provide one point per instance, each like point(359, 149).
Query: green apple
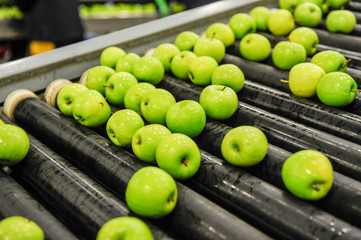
point(146, 140)
point(91, 109)
point(133, 96)
point(211, 47)
point(151, 192)
point(127, 228)
point(287, 54)
point(343, 21)
point(178, 155)
point(116, 87)
point(155, 104)
point(148, 69)
point(218, 101)
point(308, 14)
point(330, 61)
point(325, 7)
point(242, 24)
point(337, 89)
point(165, 53)
point(228, 75)
point(336, 4)
point(66, 96)
point(201, 70)
point(289, 5)
point(308, 174)
point(180, 63)
point(14, 144)
point(97, 77)
point(261, 15)
point(20, 228)
point(281, 22)
point(110, 56)
point(317, 2)
point(255, 47)
point(187, 117)
point(185, 40)
point(303, 79)
point(244, 146)
point(222, 32)
point(307, 37)
point(122, 125)
point(125, 63)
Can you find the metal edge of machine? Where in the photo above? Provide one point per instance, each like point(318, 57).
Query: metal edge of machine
point(36, 72)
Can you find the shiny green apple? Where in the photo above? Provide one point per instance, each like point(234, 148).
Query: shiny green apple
point(211, 47)
point(180, 64)
point(287, 54)
point(281, 22)
point(229, 75)
point(146, 139)
point(116, 87)
point(97, 77)
point(165, 53)
point(178, 155)
point(125, 63)
point(20, 228)
point(307, 37)
point(185, 40)
point(218, 101)
point(242, 24)
point(187, 117)
point(307, 14)
point(111, 55)
point(289, 5)
point(337, 89)
point(330, 61)
point(308, 174)
point(125, 228)
point(255, 47)
point(343, 21)
point(244, 146)
point(14, 144)
point(151, 192)
point(66, 96)
point(91, 109)
point(304, 78)
point(201, 70)
point(260, 15)
point(148, 69)
point(155, 104)
point(133, 96)
point(122, 125)
point(222, 32)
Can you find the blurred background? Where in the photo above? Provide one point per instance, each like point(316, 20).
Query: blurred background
point(29, 27)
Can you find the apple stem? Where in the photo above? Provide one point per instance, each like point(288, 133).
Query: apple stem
point(344, 64)
point(68, 101)
point(298, 20)
point(316, 186)
point(184, 161)
point(171, 198)
point(224, 88)
point(355, 90)
point(106, 98)
point(213, 35)
point(285, 81)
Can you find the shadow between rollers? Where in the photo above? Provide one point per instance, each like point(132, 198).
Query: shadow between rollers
point(194, 217)
point(84, 203)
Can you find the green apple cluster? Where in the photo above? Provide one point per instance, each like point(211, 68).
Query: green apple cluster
point(14, 144)
point(308, 174)
point(126, 227)
point(20, 228)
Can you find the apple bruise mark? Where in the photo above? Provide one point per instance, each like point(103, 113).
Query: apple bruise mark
point(139, 140)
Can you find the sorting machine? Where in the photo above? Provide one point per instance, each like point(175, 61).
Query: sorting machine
point(73, 179)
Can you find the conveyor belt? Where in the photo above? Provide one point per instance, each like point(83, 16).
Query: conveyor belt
point(221, 201)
